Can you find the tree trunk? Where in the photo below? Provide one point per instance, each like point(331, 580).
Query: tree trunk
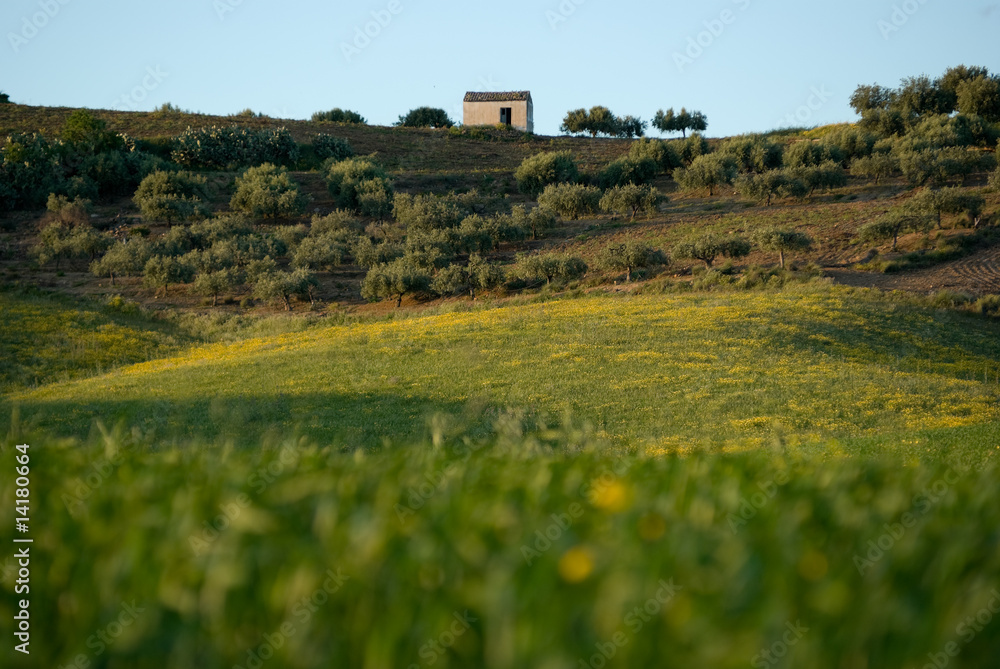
point(628, 275)
point(781, 258)
point(112, 278)
point(215, 299)
point(288, 303)
point(399, 300)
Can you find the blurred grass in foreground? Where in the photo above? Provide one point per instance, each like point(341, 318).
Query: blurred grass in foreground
point(536, 549)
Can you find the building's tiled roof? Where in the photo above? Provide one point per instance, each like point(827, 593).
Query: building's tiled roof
point(512, 96)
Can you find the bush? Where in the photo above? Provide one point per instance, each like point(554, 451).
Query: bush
point(532, 270)
point(426, 212)
point(123, 259)
point(808, 154)
point(213, 284)
point(337, 115)
point(570, 200)
point(876, 166)
point(710, 246)
point(395, 279)
point(632, 199)
point(267, 191)
point(540, 170)
point(161, 271)
point(425, 117)
point(781, 241)
point(537, 222)
point(279, 287)
point(346, 183)
point(707, 171)
point(825, 176)
point(663, 153)
point(630, 256)
point(628, 170)
point(234, 147)
point(328, 147)
point(172, 196)
point(753, 153)
point(690, 148)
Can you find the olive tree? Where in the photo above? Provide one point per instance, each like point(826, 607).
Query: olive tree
point(267, 191)
point(710, 246)
point(213, 284)
point(781, 241)
point(631, 199)
point(893, 224)
point(707, 171)
point(395, 279)
point(570, 200)
point(425, 117)
point(126, 258)
point(876, 166)
point(279, 286)
point(172, 196)
point(630, 256)
point(161, 271)
point(538, 171)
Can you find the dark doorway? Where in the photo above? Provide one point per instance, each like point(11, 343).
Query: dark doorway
point(505, 115)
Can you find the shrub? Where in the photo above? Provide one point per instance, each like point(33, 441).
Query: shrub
point(267, 191)
point(368, 254)
point(570, 200)
point(666, 157)
point(753, 153)
point(893, 224)
point(632, 199)
point(540, 170)
point(337, 115)
point(234, 147)
point(532, 270)
point(707, 171)
point(161, 271)
point(426, 212)
point(537, 222)
point(877, 166)
point(628, 170)
point(808, 153)
point(31, 169)
point(690, 148)
point(213, 284)
point(395, 279)
point(781, 240)
point(278, 286)
point(344, 181)
point(630, 256)
point(826, 176)
point(172, 196)
point(123, 259)
point(328, 147)
point(425, 117)
point(710, 246)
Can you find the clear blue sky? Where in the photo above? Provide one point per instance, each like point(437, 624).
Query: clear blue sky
point(287, 59)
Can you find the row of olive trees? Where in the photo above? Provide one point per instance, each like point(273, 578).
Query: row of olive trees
point(923, 212)
point(600, 120)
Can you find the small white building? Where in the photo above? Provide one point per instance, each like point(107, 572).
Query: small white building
point(513, 109)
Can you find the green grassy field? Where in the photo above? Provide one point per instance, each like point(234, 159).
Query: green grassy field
point(809, 364)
